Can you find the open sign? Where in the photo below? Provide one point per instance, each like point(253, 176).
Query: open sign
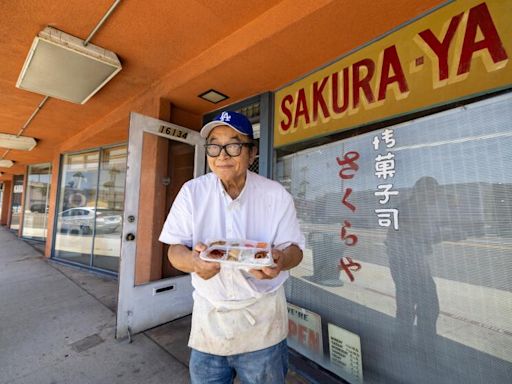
point(305, 331)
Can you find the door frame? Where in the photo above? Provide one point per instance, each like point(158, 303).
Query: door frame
point(141, 307)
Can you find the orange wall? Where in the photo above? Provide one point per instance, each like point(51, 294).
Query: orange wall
point(54, 184)
point(6, 203)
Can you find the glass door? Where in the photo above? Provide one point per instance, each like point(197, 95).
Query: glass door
point(142, 306)
point(35, 214)
point(17, 192)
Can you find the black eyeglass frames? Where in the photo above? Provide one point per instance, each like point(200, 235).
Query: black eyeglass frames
point(231, 149)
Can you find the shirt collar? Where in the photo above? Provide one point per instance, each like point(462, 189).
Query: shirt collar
point(220, 187)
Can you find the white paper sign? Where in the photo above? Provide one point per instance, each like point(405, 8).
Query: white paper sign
point(345, 353)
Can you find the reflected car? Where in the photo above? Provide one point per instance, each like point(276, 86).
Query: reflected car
point(39, 207)
point(81, 220)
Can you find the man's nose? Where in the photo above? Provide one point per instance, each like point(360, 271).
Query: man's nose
point(223, 153)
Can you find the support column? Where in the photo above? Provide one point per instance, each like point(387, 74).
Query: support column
point(22, 202)
point(52, 202)
point(154, 169)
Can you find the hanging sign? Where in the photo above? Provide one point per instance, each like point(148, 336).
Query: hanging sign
point(460, 50)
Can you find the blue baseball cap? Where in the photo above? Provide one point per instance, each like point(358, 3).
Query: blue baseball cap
point(235, 120)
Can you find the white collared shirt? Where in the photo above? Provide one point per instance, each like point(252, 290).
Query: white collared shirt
point(203, 211)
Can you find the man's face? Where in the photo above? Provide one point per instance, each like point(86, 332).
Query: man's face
point(230, 169)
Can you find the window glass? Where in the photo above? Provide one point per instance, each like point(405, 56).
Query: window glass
point(253, 114)
point(110, 205)
point(78, 185)
point(91, 207)
point(36, 202)
point(17, 193)
point(409, 247)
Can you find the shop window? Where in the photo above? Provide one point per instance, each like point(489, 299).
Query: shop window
point(36, 205)
point(17, 193)
point(409, 248)
point(252, 112)
point(90, 208)
point(110, 205)
point(1, 197)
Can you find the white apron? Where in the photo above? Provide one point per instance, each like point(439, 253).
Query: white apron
point(227, 328)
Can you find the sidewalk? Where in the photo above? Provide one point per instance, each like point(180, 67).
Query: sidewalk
point(57, 326)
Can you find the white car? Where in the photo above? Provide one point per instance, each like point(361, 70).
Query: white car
point(81, 220)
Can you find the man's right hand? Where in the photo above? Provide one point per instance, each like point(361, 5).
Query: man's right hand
point(204, 269)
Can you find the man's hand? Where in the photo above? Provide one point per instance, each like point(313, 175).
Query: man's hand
point(271, 272)
point(284, 260)
point(204, 269)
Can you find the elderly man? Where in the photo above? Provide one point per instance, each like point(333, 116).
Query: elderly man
point(239, 319)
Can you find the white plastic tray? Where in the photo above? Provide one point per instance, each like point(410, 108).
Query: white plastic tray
point(246, 254)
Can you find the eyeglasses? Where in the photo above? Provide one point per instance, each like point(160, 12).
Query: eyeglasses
point(231, 149)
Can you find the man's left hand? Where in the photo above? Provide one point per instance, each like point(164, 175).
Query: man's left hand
point(271, 272)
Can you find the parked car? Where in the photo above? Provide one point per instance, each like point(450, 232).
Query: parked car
point(81, 220)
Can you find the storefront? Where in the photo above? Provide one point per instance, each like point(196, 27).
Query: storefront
point(397, 154)
point(398, 157)
point(405, 275)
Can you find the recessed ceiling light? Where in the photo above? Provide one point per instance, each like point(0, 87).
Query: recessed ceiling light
point(60, 66)
point(6, 163)
point(213, 96)
point(22, 143)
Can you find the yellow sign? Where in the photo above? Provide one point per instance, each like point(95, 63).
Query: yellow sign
point(461, 49)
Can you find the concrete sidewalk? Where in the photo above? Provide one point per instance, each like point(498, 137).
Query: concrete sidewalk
point(57, 326)
point(53, 330)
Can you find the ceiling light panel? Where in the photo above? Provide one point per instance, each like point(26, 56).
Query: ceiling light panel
point(213, 96)
point(60, 66)
point(21, 143)
point(6, 163)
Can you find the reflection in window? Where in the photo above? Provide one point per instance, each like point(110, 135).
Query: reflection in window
point(433, 291)
point(252, 112)
point(36, 205)
point(109, 214)
point(17, 193)
point(90, 208)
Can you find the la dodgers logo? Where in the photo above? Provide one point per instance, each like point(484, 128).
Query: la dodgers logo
point(225, 116)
